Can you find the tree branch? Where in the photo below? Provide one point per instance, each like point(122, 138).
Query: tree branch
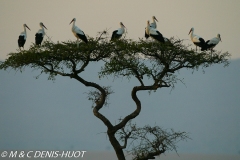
point(126, 136)
point(138, 105)
point(100, 103)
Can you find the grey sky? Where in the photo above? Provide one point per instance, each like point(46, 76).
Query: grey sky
point(39, 114)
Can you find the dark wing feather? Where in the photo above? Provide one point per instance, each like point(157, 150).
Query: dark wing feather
point(115, 35)
point(202, 40)
point(146, 35)
point(211, 45)
point(202, 44)
point(83, 37)
point(38, 38)
point(21, 41)
point(158, 37)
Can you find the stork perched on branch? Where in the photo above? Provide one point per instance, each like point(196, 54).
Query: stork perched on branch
point(117, 34)
point(152, 25)
point(22, 37)
point(197, 40)
point(40, 34)
point(154, 33)
point(213, 42)
point(77, 32)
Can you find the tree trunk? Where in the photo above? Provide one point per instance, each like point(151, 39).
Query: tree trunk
point(117, 147)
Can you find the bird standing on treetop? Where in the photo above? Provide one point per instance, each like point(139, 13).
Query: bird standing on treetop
point(154, 33)
point(22, 37)
point(197, 40)
point(77, 32)
point(213, 42)
point(153, 25)
point(40, 34)
point(118, 33)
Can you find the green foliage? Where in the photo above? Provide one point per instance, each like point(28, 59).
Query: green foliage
point(153, 141)
point(147, 142)
point(122, 58)
point(157, 61)
point(59, 58)
point(95, 95)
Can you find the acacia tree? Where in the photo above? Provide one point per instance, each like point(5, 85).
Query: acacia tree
point(143, 60)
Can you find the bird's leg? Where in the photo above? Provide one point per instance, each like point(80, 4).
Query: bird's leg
point(77, 43)
point(152, 41)
point(211, 53)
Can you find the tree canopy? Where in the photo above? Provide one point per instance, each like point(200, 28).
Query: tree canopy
point(140, 59)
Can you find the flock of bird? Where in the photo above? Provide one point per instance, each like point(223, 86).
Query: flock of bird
point(150, 31)
point(200, 42)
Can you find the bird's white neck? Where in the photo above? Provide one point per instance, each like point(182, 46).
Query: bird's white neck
point(154, 20)
point(122, 29)
point(24, 28)
point(73, 27)
point(42, 27)
point(42, 30)
point(73, 24)
point(148, 26)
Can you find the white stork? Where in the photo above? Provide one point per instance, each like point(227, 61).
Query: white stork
point(154, 33)
point(77, 32)
point(197, 40)
point(40, 34)
point(118, 33)
point(153, 25)
point(213, 42)
point(22, 37)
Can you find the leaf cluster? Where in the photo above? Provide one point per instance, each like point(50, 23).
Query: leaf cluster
point(148, 142)
point(157, 61)
point(95, 95)
point(123, 57)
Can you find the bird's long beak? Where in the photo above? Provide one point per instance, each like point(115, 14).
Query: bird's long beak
point(123, 25)
point(71, 21)
point(28, 27)
point(190, 31)
point(44, 26)
point(155, 19)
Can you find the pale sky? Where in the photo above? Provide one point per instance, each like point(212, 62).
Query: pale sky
point(175, 17)
point(39, 114)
